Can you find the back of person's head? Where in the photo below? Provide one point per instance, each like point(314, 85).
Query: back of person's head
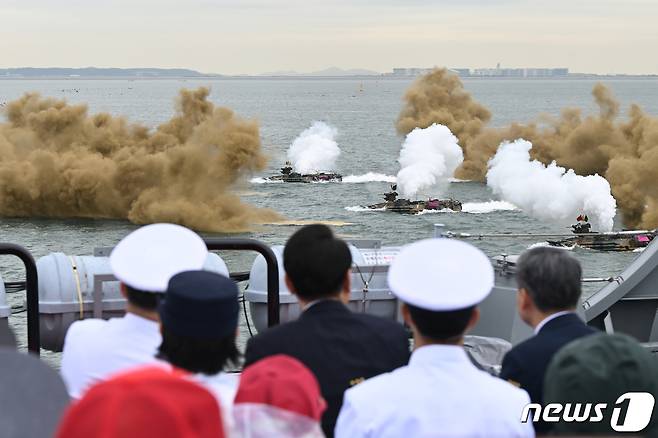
point(551, 277)
point(199, 320)
point(600, 369)
point(146, 402)
point(316, 262)
point(441, 326)
point(32, 396)
point(147, 258)
point(441, 281)
point(278, 396)
point(143, 299)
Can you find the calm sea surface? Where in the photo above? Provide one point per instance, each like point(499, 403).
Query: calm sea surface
point(366, 135)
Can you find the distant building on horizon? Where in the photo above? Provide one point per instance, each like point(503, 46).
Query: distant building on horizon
point(520, 72)
point(497, 72)
point(411, 71)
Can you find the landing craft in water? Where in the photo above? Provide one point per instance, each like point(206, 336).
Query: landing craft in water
point(287, 175)
point(414, 207)
point(629, 240)
point(582, 236)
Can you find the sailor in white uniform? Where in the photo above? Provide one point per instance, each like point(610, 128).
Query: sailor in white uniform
point(440, 393)
point(143, 262)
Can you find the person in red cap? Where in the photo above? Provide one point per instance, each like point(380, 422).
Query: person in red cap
point(148, 402)
point(278, 396)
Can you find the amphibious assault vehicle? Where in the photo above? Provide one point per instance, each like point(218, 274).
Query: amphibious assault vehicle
point(612, 241)
point(414, 207)
point(287, 175)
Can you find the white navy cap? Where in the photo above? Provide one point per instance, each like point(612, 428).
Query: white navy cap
point(441, 275)
point(148, 257)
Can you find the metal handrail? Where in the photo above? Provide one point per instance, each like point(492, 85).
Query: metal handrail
point(32, 292)
point(32, 281)
point(218, 244)
point(480, 236)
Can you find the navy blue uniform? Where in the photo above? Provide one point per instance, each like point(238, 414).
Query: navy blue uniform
point(526, 363)
point(340, 347)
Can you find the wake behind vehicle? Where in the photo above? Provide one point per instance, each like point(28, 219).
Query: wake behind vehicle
point(287, 175)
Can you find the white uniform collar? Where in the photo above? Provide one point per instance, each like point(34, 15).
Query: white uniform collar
point(551, 318)
point(311, 304)
point(438, 354)
point(140, 322)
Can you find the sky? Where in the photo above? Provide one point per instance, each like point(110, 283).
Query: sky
point(258, 36)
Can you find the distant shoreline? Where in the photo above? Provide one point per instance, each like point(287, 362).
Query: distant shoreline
point(301, 77)
point(331, 73)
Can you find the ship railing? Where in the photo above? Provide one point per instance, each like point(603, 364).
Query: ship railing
point(31, 291)
point(31, 284)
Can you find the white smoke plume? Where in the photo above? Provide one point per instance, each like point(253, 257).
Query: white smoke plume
point(487, 207)
point(369, 177)
point(428, 159)
point(551, 192)
point(314, 149)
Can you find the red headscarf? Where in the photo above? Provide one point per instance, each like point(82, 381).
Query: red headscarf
point(146, 402)
point(282, 382)
point(278, 396)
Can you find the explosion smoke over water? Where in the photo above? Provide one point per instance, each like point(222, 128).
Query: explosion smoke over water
point(624, 152)
point(314, 149)
point(428, 158)
point(58, 161)
point(549, 192)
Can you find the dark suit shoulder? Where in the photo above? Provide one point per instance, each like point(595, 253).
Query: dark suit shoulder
point(566, 323)
point(380, 331)
point(379, 323)
point(551, 337)
point(270, 341)
point(526, 362)
point(321, 328)
point(511, 366)
point(277, 330)
point(528, 346)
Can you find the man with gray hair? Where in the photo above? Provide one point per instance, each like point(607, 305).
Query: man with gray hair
point(549, 284)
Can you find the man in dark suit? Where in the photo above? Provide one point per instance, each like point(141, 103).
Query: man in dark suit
point(342, 348)
point(549, 282)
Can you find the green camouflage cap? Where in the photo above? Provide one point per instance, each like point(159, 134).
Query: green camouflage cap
point(599, 369)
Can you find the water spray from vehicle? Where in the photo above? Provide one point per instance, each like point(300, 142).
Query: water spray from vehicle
point(315, 149)
point(549, 192)
point(428, 159)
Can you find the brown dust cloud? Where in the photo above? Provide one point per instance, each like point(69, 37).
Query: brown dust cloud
point(624, 151)
point(57, 160)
